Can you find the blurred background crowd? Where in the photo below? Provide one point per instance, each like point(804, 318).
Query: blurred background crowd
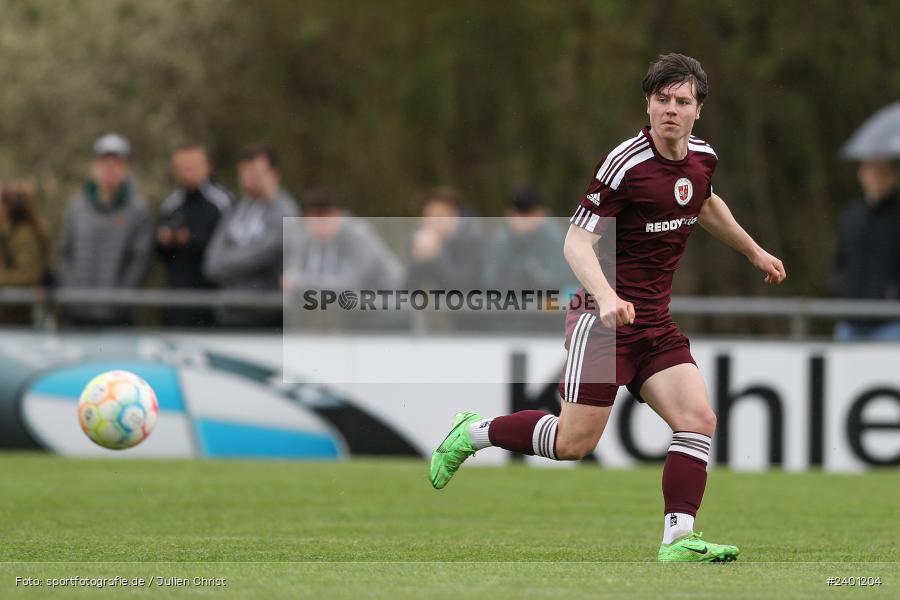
point(365, 108)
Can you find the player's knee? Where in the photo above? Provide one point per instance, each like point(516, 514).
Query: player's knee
point(574, 449)
point(705, 421)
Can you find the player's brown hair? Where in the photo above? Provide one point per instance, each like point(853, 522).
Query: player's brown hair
point(675, 68)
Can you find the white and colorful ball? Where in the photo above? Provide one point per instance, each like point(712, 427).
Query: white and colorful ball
point(118, 410)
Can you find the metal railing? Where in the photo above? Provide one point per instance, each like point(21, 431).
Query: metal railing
point(799, 312)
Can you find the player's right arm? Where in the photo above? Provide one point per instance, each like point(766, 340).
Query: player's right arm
point(605, 197)
point(579, 252)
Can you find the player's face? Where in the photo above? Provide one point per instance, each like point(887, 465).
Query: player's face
point(673, 110)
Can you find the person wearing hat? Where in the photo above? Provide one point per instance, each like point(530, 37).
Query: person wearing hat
point(523, 253)
point(106, 239)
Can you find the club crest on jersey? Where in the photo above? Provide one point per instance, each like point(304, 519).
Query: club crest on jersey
point(684, 191)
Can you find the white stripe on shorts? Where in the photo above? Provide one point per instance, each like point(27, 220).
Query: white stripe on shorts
point(575, 361)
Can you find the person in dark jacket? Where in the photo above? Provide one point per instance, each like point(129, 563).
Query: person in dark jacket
point(866, 264)
point(187, 220)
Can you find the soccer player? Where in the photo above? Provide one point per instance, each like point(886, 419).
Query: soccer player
point(658, 186)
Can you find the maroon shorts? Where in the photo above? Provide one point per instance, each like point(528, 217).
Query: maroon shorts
point(598, 362)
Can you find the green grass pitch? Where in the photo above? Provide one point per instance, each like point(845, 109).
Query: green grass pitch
point(373, 529)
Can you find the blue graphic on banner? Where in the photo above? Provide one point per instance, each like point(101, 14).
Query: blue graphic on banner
point(222, 439)
point(67, 382)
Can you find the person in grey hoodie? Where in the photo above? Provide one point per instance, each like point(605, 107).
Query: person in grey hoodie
point(107, 235)
point(245, 252)
point(330, 250)
point(333, 250)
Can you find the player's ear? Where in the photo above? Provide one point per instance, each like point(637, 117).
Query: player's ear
point(647, 98)
point(699, 108)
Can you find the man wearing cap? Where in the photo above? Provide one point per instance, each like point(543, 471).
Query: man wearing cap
point(107, 235)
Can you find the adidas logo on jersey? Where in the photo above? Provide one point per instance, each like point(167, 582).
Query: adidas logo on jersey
point(595, 198)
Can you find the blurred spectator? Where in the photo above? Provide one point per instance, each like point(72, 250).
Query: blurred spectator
point(107, 235)
point(445, 252)
point(867, 261)
point(337, 251)
point(23, 247)
point(246, 249)
point(526, 252)
point(23, 238)
point(187, 220)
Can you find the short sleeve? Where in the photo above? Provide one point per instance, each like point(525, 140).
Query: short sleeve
point(599, 201)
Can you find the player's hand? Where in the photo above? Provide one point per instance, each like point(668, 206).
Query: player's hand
point(617, 312)
point(770, 265)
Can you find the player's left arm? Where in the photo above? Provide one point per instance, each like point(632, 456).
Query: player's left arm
point(716, 218)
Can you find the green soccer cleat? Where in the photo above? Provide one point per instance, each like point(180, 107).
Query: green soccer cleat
point(453, 451)
point(690, 548)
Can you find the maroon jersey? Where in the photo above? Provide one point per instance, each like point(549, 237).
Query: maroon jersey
point(656, 202)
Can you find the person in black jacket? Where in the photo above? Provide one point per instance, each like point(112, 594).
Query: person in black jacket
point(188, 218)
point(866, 264)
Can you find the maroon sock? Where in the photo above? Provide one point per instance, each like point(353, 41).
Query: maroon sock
point(516, 432)
point(683, 483)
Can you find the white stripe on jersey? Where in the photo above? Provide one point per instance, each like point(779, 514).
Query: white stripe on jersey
point(585, 219)
point(616, 152)
point(704, 148)
point(580, 215)
point(636, 160)
point(624, 158)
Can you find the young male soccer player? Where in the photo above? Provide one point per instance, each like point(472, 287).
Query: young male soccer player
point(657, 185)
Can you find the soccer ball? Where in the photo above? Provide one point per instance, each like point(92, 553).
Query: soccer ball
point(117, 410)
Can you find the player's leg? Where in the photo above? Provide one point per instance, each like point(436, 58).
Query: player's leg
point(678, 395)
point(574, 434)
point(571, 436)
